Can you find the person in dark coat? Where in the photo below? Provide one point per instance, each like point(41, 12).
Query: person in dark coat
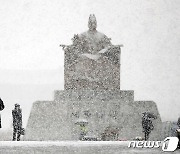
point(147, 124)
point(17, 122)
point(178, 131)
point(178, 122)
point(1, 108)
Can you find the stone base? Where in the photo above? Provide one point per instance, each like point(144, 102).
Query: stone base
point(55, 120)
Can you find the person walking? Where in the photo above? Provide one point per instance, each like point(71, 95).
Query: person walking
point(147, 124)
point(1, 108)
point(178, 131)
point(17, 122)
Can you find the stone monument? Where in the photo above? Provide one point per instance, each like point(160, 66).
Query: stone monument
point(92, 94)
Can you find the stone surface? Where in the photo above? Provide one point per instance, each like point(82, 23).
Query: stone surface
point(169, 129)
point(56, 120)
point(48, 121)
point(87, 73)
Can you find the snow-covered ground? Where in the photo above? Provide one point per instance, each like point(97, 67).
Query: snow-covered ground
point(62, 143)
point(71, 147)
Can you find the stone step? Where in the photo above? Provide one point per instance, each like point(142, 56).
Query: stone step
point(88, 95)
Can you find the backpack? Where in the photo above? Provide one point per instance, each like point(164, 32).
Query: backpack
point(1, 105)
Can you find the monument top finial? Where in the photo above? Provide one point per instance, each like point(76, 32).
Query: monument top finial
point(92, 23)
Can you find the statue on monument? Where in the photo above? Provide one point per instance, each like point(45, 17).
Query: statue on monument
point(91, 42)
point(92, 62)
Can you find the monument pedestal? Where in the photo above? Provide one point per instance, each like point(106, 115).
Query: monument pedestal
point(55, 120)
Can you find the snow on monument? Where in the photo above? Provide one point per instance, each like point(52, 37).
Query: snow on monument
point(91, 94)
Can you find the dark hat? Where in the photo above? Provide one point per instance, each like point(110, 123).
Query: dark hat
point(16, 105)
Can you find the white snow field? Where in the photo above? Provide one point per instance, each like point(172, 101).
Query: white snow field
point(74, 147)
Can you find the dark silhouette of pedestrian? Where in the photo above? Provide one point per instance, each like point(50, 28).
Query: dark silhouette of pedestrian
point(17, 122)
point(147, 124)
point(178, 122)
point(1, 108)
point(178, 132)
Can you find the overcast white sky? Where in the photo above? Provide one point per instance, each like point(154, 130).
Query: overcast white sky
point(31, 61)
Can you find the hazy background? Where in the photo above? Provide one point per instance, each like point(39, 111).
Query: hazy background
point(31, 61)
